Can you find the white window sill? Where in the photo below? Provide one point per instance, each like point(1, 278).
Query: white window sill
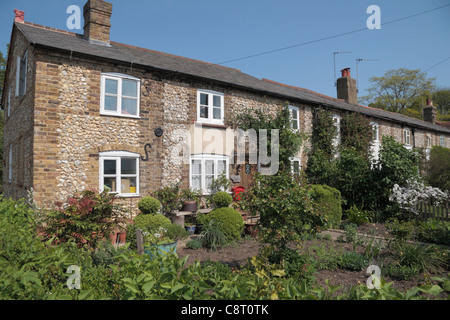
point(102, 113)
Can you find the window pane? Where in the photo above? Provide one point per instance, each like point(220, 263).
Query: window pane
point(129, 106)
point(110, 103)
point(296, 167)
point(128, 185)
point(111, 86)
point(128, 166)
point(208, 181)
point(217, 114)
point(203, 99)
point(221, 167)
point(203, 112)
point(209, 167)
point(196, 182)
point(129, 88)
point(110, 183)
point(109, 166)
point(217, 101)
point(196, 167)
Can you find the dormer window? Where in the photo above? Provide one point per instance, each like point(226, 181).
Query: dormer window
point(120, 95)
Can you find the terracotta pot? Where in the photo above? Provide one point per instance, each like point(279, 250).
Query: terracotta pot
point(190, 206)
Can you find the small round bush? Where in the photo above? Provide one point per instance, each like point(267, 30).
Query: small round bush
point(222, 199)
point(194, 244)
point(329, 200)
point(151, 223)
point(149, 205)
point(353, 261)
point(229, 221)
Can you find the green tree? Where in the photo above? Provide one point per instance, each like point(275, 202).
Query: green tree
point(438, 168)
point(441, 99)
point(399, 89)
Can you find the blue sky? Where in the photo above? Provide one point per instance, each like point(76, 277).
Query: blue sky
point(221, 30)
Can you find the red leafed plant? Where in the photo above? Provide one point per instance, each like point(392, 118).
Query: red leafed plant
point(85, 218)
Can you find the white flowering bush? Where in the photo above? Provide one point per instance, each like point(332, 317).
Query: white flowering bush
point(415, 192)
point(159, 237)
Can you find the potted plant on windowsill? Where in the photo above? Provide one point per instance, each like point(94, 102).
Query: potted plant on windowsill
point(190, 199)
point(158, 242)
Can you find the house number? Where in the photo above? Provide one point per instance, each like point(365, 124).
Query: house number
point(247, 168)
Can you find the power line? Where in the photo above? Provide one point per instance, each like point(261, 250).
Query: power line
point(329, 37)
point(437, 64)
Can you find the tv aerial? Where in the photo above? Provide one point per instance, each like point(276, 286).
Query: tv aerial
point(357, 76)
point(334, 62)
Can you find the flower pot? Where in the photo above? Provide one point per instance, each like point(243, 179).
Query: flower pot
point(190, 206)
point(191, 229)
point(160, 248)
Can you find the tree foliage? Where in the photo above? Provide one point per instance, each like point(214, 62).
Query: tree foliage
point(399, 89)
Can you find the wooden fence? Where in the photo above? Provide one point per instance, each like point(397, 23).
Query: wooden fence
point(428, 210)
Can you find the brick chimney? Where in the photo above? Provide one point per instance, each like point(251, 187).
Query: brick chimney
point(429, 112)
point(97, 16)
point(346, 87)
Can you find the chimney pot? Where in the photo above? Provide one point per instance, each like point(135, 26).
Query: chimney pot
point(345, 72)
point(19, 15)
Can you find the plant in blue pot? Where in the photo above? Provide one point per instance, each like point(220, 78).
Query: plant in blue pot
point(158, 242)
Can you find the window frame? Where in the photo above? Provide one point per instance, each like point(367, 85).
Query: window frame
point(10, 161)
point(442, 141)
point(407, 137)
point(210, 106)
point(428, 142)
point(376, 132)
point(293, 160)
point(21, 74)
point(118, 156)
point(291, 108)
point(203, 158)
point(119, 78)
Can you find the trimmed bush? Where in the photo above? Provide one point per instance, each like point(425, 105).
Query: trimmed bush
point(222, 199)
point(149, 205)
point(329, 200)
point(229, 221)
point(151, 223)
point(352, 261)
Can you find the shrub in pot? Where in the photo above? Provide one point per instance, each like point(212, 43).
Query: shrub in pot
point(222, 199)
point(190, 199)
point(149, 205)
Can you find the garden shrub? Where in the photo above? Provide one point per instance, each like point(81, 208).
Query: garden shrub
point(401, 272)
point(212, 236)
point(86, 218)
point(151, 223)
point(353, 261)
point(433, 231)
point(222, 199)
point(299, 266)
point(425, 258)
point(438, 168)
point(194, 244)
point(329, 200)
point(357, 216)
point(228, 220)
point(149, 205)
point(176, 232)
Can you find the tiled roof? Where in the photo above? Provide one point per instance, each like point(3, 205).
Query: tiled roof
point(75, 44)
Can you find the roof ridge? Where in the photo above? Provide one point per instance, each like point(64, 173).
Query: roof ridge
point(49, 28)
point(171, 55)
point(302, 89)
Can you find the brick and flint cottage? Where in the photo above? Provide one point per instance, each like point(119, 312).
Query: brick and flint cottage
point(84, 112)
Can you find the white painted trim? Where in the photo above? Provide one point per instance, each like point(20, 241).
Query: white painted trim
point(119, 78)
point(117, 156)
point(210, 118)
point(203, 158)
